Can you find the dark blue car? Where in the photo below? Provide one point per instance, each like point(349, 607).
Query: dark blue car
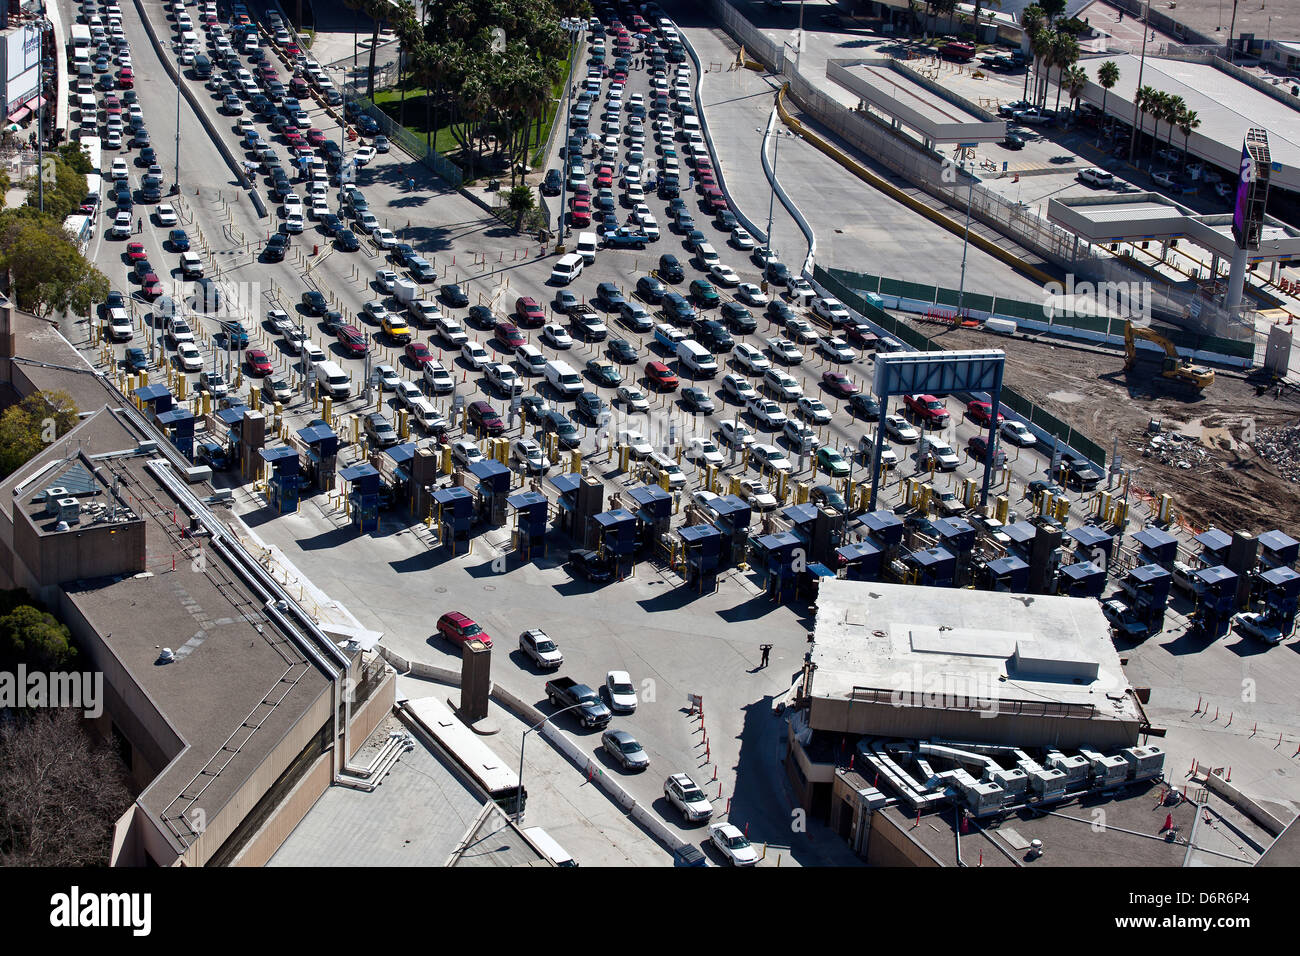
point(135, 360)
point(179, 240)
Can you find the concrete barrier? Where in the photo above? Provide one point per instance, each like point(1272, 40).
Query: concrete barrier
point(804, 226)
point(213, 133)
point(1222, 788)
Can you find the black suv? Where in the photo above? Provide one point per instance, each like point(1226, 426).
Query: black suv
point(738, 318)
point(551, 184)
point(313, 303)
point(670, 270)
point(276, 247)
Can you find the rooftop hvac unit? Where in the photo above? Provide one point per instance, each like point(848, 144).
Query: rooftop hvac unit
point(52, 496)
point(69, 510)
point(985, 798)
point(1143, 762)
point(1012, 781)
point(1047, 784)
point(1109, 771)
point(146, 446)
point(1075, 767)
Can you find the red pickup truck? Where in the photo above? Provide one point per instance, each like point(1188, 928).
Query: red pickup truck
point(928, 410)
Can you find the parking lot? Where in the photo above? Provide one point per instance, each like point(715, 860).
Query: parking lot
point(674, 642)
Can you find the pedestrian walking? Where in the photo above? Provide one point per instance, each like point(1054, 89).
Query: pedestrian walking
point(410, 185)
point(139, 224)
point(766, 649)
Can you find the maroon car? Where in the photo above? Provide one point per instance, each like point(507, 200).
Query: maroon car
point(509, 335)
point(419, 354)
point(352, 340)
point(981, 412)
point(528, 313)
point(837, 383)
point(713, 196)
point(460, 628)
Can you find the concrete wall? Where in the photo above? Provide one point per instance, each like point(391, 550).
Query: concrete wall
point(837, 715)
point(80, 553)
point(889, 845)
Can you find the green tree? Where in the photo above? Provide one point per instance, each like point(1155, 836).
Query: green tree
point(64, 190)
point(47, 272)
point(1052, 8)
point(1041, 45)
point(521, 202)
point(1076, 80)
point(35, 422)
point(75, 156)
point(1145, 101)
point(33, 637)
point(1175, 107)
point(1107, 76)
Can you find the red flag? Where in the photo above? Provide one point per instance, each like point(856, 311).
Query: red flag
point(1169, 822)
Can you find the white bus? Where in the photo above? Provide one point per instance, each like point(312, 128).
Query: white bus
point(80, 36)
point(492, 774)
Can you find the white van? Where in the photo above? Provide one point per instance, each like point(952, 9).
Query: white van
point(663, 465)
point(426, 415)
point(191, 265)
point(696, 359)
point(563, 378)
point(333, 381)
point(690, 124)
point(567, 268)
point(531, 359)
point(88, 105)
point(588, 242)
point(552, 850)
point(707, 255)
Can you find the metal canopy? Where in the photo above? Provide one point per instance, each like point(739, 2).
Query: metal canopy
point(1154, 538)
point(1148, 573)
point(648, 494)
point(1088, 535)
point(233, 415)
point(877, 521)
point(699, 532)
point(402, 453)
point(565, 483)
point(1276, 541)
point(1216, 575)
point(445, 496)
point(362, 470)
point(1008, 565)
point(278, 453)
point(1081, 569)
point(1214, 539)
point(525, 499)
point(1022, 532)
point(314, 434)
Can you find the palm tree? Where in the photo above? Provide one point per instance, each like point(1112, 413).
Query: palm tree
point(1188, 122)
point(1145, 101)
point(1107, 76)
point(521, 202)
point(1065, 52)
point(1031, 21)
point(1076, 80)
point(1159, 111)
point(1041, 45)
point(978, 5)
point(408, 35)
point(1052, 8)
point(1175, 107)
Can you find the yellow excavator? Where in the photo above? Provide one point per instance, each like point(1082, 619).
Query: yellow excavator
point(1174, 369)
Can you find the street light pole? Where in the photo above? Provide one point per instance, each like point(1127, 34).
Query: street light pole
point(523, 740)
point(965, 243)
point(568, 100)
point(176, 183)
point(42, 25)
point(771, 202)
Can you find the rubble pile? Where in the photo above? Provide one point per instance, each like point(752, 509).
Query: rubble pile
point(1176, 451)
point(1281, 446)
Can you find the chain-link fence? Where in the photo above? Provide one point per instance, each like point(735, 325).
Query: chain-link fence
point(411, 143)
point(757, 44)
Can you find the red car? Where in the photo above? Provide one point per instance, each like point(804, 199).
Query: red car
point(258, 362)
point(419, 354)
point(604, 179)
point(125, 78)
point(151, 286)
point(704, 179)
point(582, 192)
point(713, 196)
point(135, 251)
point(316, 137)
point(508, 334)
point(837, 383)
point(580, 213)
point(352, 339)
point(292, 137)
point(112, 105)
point(981, 412)
point(459, 628)
point(528, 313)
point(927, 409)
point(292, 49)
point(660, 376)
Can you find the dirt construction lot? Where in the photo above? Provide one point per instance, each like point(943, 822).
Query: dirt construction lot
point(1213, 470)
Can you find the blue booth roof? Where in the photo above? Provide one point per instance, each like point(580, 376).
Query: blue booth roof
point(881, 520)
point(1214, 539)
point(1022, 532)
point(730, 505)
point(1215, 575)
point(953, 527)
point(402, 453)
point(149, 393)
point(798, 514)
point(277, 453)
point(175, 415)
point(1149, 572)
point(1089, 535)
point(699, 532)
point(233, 415)
point(932, 556)
point(566, 482)
point(647, 494)
point(445, 496)
point(781, 539)
point(1081, 569)
point(1154, 538)
point(612, 519)
point(1278, 576)
point(1276, 541)
point(525, 499)
point(314, 434)
point(1008, 565)
point(487, 468)
point(852, 552)
point(360, 470)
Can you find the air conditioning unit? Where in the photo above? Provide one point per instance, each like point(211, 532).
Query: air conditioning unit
point(69, 510)
point(1047, 784)
point(1012, 781)
point(1143, 762)
point(52, 496)
point(1075, 768)
point(147, 446)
